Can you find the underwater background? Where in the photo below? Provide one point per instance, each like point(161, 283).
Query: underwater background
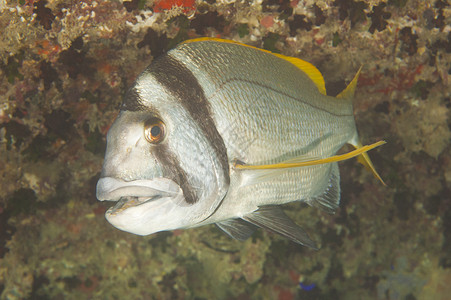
point(64, 69)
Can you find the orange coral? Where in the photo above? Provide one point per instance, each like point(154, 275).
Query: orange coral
point(47, 50)
point(187, 5)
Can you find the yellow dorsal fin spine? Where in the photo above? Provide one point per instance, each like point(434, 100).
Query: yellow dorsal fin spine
point(310, 70)
point(348, 92)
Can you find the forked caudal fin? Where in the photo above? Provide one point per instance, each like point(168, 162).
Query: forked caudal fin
point(364, 159)
point(349, 91)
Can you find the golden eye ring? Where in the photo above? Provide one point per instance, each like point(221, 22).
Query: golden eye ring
point(154, 130)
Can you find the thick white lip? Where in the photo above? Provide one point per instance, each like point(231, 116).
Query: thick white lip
point(113, 189)
point(142, 206)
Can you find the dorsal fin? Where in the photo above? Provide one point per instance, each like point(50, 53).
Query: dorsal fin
point(310, 70)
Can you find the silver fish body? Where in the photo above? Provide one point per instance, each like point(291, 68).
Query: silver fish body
point(221, 103)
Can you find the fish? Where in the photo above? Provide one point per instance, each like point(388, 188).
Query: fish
point(219, 132)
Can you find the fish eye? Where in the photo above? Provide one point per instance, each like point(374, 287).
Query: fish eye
point(154, 130)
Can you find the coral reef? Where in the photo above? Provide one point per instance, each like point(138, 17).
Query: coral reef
point(64, 68)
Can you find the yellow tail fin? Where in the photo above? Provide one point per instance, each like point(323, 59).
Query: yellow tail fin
point(348, 92)
point(365, 160)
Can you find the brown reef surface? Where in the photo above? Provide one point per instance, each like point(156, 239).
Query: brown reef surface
point(64, 68)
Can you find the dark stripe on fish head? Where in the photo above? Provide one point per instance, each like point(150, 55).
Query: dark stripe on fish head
point(171, 168)
point(184, 86)
point(132, 101)
point(168, 161)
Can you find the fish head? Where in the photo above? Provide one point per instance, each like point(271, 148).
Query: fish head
point(160, 165)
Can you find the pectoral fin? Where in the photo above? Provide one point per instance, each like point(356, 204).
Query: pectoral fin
point(272, 218)
point(237, 228)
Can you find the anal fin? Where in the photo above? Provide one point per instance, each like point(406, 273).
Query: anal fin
point(330, 199)
point(237, 228)
point(273, 218)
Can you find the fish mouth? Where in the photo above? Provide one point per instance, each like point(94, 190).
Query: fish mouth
point(134, 193)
